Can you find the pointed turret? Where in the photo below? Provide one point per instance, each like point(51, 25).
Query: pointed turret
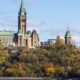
point(22, 8)
point(68, 38)
point(35, 39)
point(22, 19)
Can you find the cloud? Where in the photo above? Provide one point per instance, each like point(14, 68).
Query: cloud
point(76, 38)
point(35, 23)
point(8, 22)
point(76, 30)
point(11, 24)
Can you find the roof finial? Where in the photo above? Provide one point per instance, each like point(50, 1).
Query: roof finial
point(22, 5)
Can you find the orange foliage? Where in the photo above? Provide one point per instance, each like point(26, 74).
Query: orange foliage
point(48, 65)
point(30, 65)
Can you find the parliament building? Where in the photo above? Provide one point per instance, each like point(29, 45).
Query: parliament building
point(23, 38)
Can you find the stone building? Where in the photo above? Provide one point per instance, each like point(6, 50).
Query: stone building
point(68, 38)
point(26, 38)
point(49, 42)
point(6, 38)
point(35, 39)
point(23, 38)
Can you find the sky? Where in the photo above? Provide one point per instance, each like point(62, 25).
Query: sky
point(49, 17)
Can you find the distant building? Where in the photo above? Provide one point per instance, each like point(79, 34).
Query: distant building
point(49, 42)
point(6, 37)
point(68, 38)
point(43, 43)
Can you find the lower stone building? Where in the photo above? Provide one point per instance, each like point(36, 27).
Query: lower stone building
point(29, 40)
point(49, 42)
point(6, 38)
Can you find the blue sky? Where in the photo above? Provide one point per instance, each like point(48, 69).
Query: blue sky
point(49, 17)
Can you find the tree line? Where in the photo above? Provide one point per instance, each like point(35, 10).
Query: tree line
point(57, 60)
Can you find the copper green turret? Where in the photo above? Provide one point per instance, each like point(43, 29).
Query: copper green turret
point(68, 38)
point(22, 18)
point(22, 8)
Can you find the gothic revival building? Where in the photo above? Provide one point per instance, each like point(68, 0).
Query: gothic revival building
point(68, 38)
point(25, 37)
point(6, 38)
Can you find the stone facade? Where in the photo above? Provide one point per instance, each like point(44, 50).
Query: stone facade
point(6, 38)
point(25, 37)
point(68, 38)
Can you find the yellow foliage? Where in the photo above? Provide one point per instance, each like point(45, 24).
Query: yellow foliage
point(50, 71)
point(22, 73)
point(60, 41)
point(60, 69)
point(11, 70)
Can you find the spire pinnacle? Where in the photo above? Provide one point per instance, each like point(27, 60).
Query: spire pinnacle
point(22, 8)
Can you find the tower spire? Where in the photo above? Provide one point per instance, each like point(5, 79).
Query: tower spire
point(22, 8)
point(22, 18)
point(22, 25)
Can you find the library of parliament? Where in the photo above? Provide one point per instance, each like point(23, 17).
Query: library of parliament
point(23, 38)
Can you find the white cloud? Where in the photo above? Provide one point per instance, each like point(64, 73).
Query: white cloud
point(35, 23)
point(76, 39)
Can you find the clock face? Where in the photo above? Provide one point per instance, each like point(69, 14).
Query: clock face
point(22, 13)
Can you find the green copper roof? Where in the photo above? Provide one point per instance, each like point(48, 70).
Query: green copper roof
point(7, 33)
point(68, 34)
point(28, 35)
point(22, 5)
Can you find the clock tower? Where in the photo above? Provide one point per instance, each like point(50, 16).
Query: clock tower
point(22, 18)
point(25, 38)
point(22, 25)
